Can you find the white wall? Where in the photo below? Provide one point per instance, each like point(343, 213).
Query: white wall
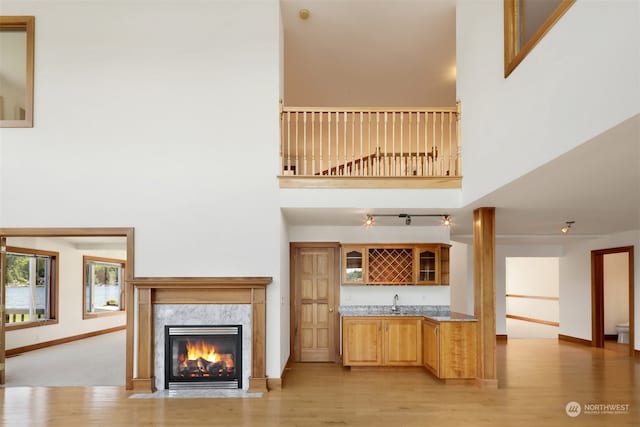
point(178, 122)
point(70, 286)
point(381, 295)
point(564, 93)
point(575, 283)
point(616, 291)
point(532, 277)
point(461, 294)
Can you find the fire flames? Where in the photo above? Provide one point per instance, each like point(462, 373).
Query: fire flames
point(202, 349)
point(205, 357)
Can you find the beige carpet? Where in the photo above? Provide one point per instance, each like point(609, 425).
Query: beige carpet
point(93, 361)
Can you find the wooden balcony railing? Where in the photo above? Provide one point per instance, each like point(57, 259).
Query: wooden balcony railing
point(370, 142)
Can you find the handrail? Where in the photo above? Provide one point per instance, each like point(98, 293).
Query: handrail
point(533, 320)
point(285, 109)
point(540, 297)
point(375, 157)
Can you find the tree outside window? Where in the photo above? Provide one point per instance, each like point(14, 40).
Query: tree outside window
point(30, 287)
point(103, 286)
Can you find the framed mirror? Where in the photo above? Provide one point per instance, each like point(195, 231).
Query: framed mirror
point(16, 71)
point(525, 23)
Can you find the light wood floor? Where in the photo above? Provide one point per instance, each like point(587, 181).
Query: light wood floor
point(537, 378)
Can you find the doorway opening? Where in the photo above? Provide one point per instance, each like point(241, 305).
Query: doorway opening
point(605, 269)
point(44, 280)
point(532, 297)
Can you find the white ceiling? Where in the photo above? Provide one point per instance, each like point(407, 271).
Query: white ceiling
point(348, 51)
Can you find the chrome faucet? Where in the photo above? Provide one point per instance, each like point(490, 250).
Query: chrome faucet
point(394, 307)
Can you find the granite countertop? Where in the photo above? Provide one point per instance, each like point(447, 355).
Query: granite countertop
point(441, 313)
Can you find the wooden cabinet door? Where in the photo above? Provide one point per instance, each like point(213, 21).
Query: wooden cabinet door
point(354, 262)
point(458, 349)
point(431, 347)
point(427, 265)
point(402, 342)
point(362, 341)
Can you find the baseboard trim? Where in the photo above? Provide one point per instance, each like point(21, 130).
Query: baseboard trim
point(501, 337)
point(274, 384)
point(574, 340)
point(45, 344)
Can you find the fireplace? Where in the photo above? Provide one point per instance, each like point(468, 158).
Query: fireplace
point(203, 357)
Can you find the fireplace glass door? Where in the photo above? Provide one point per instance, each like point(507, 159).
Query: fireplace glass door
point(203, 357)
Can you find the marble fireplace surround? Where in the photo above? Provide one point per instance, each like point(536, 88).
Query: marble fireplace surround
point(193, 290)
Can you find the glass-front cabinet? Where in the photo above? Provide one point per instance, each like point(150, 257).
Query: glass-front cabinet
point(427, 262)
point(353, 262)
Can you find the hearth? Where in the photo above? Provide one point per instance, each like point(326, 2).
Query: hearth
point(203, 357)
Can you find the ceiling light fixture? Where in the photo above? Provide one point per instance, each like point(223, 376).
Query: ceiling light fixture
point(567, 227)
point(369, 221)
point(445, 219)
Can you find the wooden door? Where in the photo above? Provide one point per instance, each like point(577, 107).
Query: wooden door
point(431, 347)
point(315, 303)
point(403, 342)
point(362, 338)
point(3, 263)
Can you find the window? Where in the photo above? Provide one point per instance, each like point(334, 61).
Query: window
point(525, 23)
point(103, 286)
point(31, 285)
point(16, 70)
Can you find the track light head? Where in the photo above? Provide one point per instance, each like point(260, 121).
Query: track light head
point(369, 221)
point(567, 227)
point(407, 220)
point(446, 220)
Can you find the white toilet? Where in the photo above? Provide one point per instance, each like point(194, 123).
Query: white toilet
point(623, 333)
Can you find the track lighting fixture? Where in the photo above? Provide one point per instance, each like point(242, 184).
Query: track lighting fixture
point(445, 219)
point(567, 227)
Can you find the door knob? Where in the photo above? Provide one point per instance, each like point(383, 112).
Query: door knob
point(331, 310)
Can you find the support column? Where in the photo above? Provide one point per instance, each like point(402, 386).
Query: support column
point(484, 286)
